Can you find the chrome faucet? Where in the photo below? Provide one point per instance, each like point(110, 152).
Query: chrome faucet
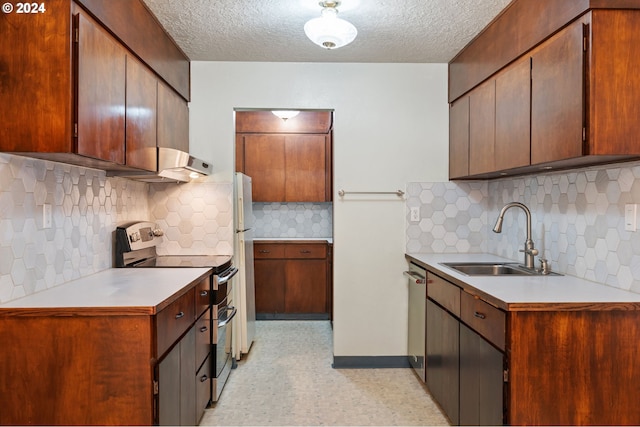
point(529, 251)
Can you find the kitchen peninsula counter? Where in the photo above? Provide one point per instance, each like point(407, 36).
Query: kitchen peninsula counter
point(134, 290)
point(530, 293)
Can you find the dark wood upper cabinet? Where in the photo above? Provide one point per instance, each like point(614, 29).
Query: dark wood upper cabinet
point(557, 97)
point(513, 112)
point(173, 119)
point(141, 116)
point(73, 91)
point(101, 76)
point(570, 101)
point(482, 128)
point(285, 166)
point(459, 138)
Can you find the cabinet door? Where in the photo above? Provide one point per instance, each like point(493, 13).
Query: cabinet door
point(173, 119)
point(557, 97)
point(306, 289)
point(141, 123)
point(459, 138)
point(513, 116)
point(169, 389)
point(443, 353)
point(269, 285)
point(101, 74)
point(264, 162)
point(481, 380)
point(482, 117)
point(306, 168)
point(188, 368)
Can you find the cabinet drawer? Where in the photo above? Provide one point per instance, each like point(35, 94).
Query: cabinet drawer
point(484, 318)
point(174, 320)
point(203, 296)
point(203, 389)
point(444, 293)
point(265, 251)
point(312, 250)
point(203, 337)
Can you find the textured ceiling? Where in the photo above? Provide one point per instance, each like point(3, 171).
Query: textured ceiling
point(414, 31)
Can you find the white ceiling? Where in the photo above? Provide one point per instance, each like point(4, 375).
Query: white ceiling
point(411, 31)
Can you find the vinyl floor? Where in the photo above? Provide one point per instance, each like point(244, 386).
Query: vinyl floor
point(287, 380)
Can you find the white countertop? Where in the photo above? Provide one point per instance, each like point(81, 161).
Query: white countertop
point(277, 239)
point(120, 288)
point(529, 292)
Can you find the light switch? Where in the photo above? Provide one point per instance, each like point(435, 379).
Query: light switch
point(414, 214)
point(630, 212)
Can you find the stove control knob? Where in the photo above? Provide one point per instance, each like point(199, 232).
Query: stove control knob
point(158, 232)
point(135, 236)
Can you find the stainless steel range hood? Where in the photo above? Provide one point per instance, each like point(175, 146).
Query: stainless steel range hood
point(173, 166)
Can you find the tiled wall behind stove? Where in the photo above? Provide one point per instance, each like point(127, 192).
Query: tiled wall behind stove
point(86, 208)
point(197, 217)
point(293, 220)
point(577, 220)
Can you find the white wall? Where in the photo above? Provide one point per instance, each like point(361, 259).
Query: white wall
point(391, 128)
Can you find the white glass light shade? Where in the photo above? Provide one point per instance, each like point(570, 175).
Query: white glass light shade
point(285, 114)
point(329, 31)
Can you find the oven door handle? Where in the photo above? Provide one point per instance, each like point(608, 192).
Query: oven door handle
point(224, 279)
point(228, 319)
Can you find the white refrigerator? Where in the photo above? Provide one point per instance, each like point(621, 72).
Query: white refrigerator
point(244, 289)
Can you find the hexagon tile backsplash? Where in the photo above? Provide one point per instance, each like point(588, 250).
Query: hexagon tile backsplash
point(87, 206)
point(577, 220)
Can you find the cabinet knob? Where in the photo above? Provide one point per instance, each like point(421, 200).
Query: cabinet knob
point(204, 293)
point(264, 251)
point(479, 315)
point(204, 329)
point(179, 315)
point(305, 252)
point(203, 378)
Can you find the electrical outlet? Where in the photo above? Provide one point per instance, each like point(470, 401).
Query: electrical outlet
point(47, 217)
point(414, 214)
point(630, 212)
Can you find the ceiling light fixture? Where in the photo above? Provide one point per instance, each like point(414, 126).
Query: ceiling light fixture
point(285, 114)
point(329, 31)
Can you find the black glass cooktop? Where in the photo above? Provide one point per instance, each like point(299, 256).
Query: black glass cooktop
point(218, 263)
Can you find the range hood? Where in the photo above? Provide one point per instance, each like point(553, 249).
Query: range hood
point(173, 166)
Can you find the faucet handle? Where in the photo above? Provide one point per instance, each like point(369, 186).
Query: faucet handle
point(533, 252)
point(544, 266)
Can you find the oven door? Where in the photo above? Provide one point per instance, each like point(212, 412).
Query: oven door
point(221, 362)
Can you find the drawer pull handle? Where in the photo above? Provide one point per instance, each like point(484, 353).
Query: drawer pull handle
point(204, 293)
point(305, 252)
point(203, 378)
point(264, 251)
point(479, 315)
point(179, 315)
point(204, 329)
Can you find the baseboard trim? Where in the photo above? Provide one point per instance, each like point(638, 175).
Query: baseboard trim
point(292, 316)
point(369, 362)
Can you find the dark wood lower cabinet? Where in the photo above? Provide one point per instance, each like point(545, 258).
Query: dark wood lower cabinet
point(443, 353)
point(481, 380)
point(292, 280)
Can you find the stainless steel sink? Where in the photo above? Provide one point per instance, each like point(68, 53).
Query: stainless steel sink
point(492, 269)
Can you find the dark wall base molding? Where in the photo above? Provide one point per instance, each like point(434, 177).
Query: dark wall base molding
point(369, 362)
point(292, 316)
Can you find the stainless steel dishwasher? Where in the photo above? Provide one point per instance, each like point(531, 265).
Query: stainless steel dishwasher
point(417, 279)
